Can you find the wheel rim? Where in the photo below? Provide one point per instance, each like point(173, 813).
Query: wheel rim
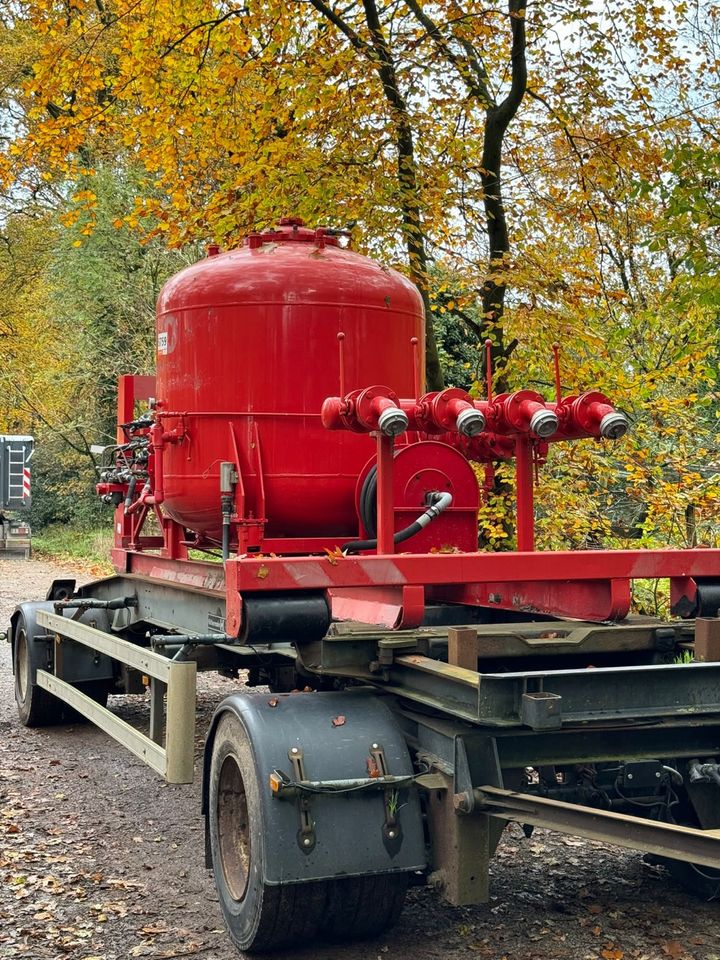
point(233, 828)
point(22, 666)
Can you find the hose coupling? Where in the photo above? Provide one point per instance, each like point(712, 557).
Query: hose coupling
point(543, 423)
point(614, 425)
point(393, 421)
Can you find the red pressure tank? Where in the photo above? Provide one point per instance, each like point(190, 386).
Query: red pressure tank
point(248, 347)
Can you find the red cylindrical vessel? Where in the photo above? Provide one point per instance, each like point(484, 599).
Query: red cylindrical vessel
point(250, 343)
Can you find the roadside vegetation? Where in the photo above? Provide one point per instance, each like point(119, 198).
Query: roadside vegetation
point(545, 173)
point(88, 549)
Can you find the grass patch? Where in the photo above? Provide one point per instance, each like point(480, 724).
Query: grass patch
point(88, 548)
point(685, 656)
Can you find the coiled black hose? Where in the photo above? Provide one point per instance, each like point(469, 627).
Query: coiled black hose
point(438, 503)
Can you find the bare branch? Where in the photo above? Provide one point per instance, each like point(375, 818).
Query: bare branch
point(472, 75)
point(355, 39)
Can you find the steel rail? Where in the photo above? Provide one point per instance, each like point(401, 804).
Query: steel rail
point(663, 839)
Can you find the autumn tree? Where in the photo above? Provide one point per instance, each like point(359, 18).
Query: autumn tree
point(137, 74)
point(541, 173)
point(80, 290)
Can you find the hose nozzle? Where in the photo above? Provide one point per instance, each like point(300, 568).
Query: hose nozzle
point(470, 422)
point(393, 421)
point(543, 423)
point(614, 425)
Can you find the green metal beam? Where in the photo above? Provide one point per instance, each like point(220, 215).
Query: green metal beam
point(662, 839)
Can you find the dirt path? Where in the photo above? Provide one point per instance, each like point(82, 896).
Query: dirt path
point(100, 860)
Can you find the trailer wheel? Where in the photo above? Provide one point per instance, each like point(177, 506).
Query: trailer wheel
point(36, 707)
point(259, 916)
point(97, 690)
point(701, 881)
point(362, 907)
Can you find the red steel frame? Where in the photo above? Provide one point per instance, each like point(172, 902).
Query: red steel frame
point(391, 588)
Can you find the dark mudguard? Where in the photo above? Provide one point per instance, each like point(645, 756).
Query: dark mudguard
point(80, 664)
point(349, 831)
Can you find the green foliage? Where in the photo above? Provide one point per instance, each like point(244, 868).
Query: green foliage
point(89, 547)
point(104, 283)
point(63, 485)
point(460, 357)
point(686, 656)
point(85, 288)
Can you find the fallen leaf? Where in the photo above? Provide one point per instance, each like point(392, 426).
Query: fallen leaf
point(673, 948)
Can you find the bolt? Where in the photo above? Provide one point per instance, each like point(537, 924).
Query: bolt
point(391, 834)
point(376, 746)
point(294, 750)
point(630, 776)
point(461, 803)
point(307, 841)
point(658, 774)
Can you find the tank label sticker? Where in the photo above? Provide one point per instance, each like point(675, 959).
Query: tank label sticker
point(167, 338)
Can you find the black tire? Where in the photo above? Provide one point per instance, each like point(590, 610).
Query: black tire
point(36, 707)
point(259, 917)
point(703, 882)
point(362, 907)
point(97, 690)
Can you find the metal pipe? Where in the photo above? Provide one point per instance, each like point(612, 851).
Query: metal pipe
point(226, 536)
point(652, 836)
point(200, 639)
point(79, 603)
point(524, 495)
point(385, 505)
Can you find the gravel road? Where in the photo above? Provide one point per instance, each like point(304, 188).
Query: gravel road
point(101, 860)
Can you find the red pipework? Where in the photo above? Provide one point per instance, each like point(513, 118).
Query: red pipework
point(448, 410)
point(483, 448)
point(518, 425)
point(157, 440)
point(522, 412)
point(365, 411)
point(378, 408)
point(524, 493)
point(338, 413)
point(385, 504)
point(153, 493)
point(589, 415)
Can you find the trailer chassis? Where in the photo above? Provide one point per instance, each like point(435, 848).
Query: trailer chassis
point(435, 735)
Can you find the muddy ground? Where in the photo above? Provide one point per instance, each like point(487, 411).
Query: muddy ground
point(101, 860)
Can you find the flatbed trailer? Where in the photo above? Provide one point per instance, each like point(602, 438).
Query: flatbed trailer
point(385, 756)
point(420, 692)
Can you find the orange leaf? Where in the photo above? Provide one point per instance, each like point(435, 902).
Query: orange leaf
point(673, 948)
